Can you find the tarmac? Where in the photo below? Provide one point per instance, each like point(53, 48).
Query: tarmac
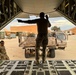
point(17, 53)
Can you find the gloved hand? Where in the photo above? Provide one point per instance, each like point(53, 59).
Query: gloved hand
point(19, 20)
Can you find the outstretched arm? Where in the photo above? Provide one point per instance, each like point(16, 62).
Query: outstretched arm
point(20, 21)
point(27, 21)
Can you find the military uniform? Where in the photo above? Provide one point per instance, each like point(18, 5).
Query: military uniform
point(42, 40)
point(3, 54)
point(42, 28)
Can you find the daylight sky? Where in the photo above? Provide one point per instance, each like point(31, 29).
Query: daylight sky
point(61, 22)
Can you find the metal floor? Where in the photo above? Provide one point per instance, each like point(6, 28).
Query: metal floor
point(53, 67)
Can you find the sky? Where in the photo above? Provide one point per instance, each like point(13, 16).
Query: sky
point(61, 22)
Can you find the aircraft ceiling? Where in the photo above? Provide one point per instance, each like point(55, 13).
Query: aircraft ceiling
point(36, 6)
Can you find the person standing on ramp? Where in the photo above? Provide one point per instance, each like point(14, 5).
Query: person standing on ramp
point(42, 36)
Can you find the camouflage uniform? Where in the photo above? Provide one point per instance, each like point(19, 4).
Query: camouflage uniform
point(42, 28)
point(3, 54)
point(42, 40)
